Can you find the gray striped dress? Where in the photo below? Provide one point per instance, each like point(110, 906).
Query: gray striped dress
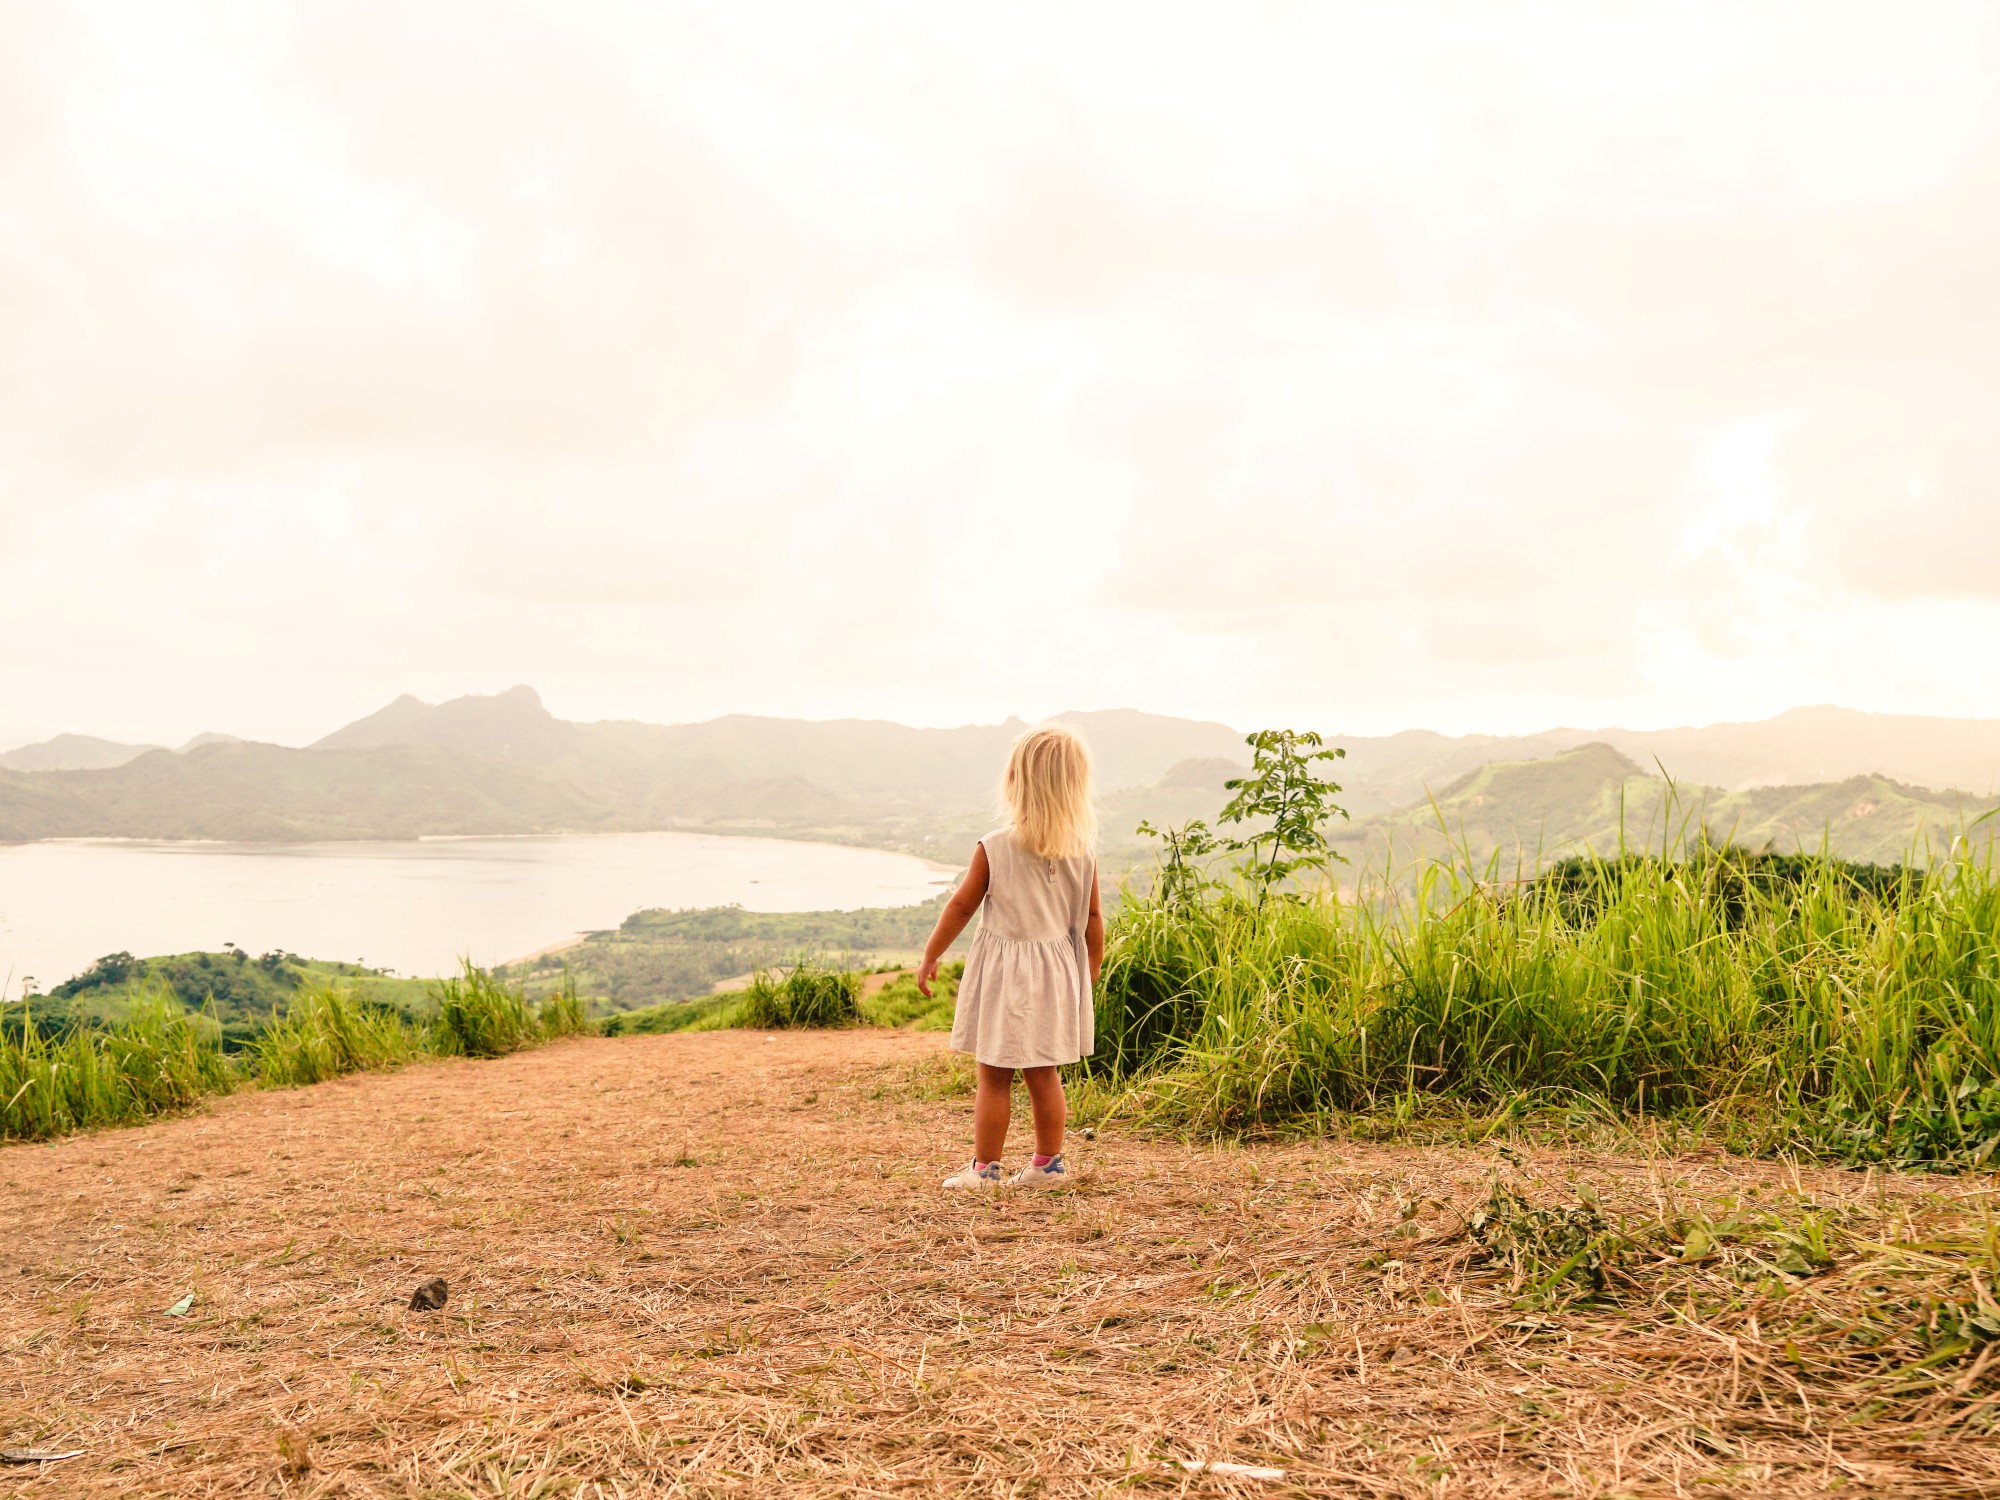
point(1025, 999)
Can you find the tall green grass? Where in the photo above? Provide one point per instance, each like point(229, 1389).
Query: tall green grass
point(479, 1016)
point(807, 994)
point(158, 1058)
point(161, 1057)
point(326, 1032)
point(1854, 1017)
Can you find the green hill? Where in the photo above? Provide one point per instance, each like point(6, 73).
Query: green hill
point(238, 992)
point(1587, 798)
point(1802, 747)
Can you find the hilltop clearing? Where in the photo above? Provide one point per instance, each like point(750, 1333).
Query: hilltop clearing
point(719, 1264)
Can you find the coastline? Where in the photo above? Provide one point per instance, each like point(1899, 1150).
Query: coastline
point(577, 941)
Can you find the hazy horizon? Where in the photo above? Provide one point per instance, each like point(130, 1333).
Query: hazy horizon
point(1479, 369)
point(175, 741)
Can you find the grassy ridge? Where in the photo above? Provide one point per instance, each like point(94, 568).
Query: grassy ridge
point(1854, 1017)
point(160, 1056)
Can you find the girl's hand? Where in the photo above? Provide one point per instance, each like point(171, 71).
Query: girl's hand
point(951, 921)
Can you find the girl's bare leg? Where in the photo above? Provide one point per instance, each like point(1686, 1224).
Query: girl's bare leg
point(1045, 1094)
point(992, 1109)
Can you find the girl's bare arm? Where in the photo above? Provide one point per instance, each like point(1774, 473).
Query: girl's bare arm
point(1093, 931)
point(951, 921)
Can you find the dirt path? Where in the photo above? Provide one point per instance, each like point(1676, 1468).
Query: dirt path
point(718, 1263)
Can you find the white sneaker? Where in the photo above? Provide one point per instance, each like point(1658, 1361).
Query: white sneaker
point(972, 1175)
point(1055, 1174)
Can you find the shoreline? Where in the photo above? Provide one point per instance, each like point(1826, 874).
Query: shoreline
point(255, 846)
point(576, 941)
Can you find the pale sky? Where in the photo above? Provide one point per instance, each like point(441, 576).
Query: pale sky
point(1474, 366)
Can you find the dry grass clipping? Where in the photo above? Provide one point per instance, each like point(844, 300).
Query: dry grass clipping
point(718, 1264)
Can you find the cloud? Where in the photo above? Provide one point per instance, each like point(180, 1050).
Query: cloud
point(1334, 361)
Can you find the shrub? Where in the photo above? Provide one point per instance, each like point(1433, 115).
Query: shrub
point(479, 1016)
point(809, 994)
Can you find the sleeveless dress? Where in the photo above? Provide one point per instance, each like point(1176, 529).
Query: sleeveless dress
point(1025, 999)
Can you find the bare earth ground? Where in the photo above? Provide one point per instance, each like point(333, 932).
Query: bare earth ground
point(719, 1264)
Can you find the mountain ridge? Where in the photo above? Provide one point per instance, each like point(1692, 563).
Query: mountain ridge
point(503, 764)
point(72, 752)
point(85, 752)
point(1807, 744)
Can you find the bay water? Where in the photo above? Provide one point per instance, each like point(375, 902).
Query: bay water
point(416, 907)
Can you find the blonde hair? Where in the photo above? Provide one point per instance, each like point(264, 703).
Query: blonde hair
point(1047, 793)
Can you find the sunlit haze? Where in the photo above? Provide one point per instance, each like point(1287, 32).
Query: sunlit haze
point(1355, 366)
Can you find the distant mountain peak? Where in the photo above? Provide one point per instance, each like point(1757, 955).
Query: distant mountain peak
point(1608, 757)
point(72, 752)
point(510, 725)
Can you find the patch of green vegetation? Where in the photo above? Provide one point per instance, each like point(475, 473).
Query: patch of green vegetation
point(707, 1014)
point(327, 1032)
point(157, 1058)
point(807, 994)
point(882, 999)
point(1795, 1001)
point(157, 1055)
point(480, 1016)
point(901, 1003)
point(240, 994)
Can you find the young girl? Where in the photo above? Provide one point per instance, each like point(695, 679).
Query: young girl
point(1025, 999)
